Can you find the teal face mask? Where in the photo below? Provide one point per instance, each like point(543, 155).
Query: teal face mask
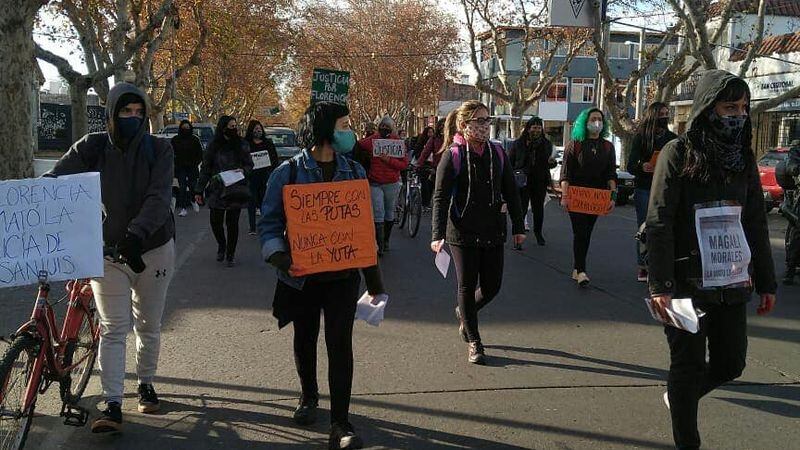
point(343, 141)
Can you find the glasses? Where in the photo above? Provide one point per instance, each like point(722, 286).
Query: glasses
point(482, 120)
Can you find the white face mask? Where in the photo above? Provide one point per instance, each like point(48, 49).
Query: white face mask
point(595, 126)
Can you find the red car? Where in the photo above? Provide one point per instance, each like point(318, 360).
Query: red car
point(773, 192)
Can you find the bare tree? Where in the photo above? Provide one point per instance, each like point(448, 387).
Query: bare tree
point(17, 83)
point(541, 65)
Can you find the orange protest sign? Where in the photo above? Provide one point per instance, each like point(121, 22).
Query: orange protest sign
point(329, 226)
point(584, 200)
point(654, 158)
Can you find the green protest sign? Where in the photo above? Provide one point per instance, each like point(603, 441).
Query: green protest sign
point(329, 86)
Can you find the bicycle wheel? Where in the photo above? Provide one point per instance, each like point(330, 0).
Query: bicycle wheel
point(400, 208)
point(16, 368)
point(414, 213)
point(85, 346)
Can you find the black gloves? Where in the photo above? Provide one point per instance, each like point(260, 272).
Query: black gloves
point(130, 248)
point(281, 260)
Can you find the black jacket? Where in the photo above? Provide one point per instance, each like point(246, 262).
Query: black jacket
point(220, 157)
point(675, 266)
point(188, 151)
point(641, 153)
point(479, 222)
point(533, 159)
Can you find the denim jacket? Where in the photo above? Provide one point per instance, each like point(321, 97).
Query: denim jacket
point(272, 226)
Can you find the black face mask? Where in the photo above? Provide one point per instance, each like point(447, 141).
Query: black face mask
point(185, 132)
point(384, 132)
point(663, 123)
point(232, 133)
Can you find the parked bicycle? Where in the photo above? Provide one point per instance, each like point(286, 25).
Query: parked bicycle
point(409, 203)
point(40, 354)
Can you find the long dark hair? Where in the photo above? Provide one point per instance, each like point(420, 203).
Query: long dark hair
point(219, 132)
point(698, 165)
point(422, 138)
point(649, 125)
point(319, 122)
point(250, 127)
point(525, 136)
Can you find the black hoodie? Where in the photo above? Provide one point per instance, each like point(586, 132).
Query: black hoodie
point(674, 260)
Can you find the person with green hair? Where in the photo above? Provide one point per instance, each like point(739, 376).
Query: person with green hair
point(589, 161)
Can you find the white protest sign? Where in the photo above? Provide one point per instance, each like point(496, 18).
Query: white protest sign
point(261, 159)
point(52, 224)
point(395, 148)
point(230, 177)
point(724, 251)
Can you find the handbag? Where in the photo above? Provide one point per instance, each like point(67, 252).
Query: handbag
point(521, 178)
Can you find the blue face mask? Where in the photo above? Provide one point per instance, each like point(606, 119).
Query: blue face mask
point(128, 126)
point(343, 141)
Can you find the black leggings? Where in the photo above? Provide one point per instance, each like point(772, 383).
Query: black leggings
point(534, 193)
point(480, 273)
point(691, 377)
point(230, 217)
point(337, 299)
point(582, 227)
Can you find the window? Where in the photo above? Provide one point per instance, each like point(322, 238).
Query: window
point(618, 50)
point(557, 92)
point(582, 90)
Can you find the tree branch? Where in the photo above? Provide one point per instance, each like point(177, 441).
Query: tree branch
point(755, 44)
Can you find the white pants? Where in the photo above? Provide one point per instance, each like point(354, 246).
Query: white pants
point(122, 295)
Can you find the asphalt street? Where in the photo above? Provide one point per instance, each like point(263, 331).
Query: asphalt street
point(568, 368)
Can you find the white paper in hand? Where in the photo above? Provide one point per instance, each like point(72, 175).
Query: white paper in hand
point(681, 313)
point(230, 177)
point(442, 261)
point(370, 308)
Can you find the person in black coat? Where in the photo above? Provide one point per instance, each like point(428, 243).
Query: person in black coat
point(259, 143)
point(188, 155)
point(531, 155)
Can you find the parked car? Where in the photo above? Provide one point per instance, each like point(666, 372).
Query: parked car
point(625, 180)
point(285, 141)
point(204, 131)
point(773, 192)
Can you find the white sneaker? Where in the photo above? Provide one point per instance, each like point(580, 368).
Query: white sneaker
point(182, 212)
point(583, 279)
point(575, 275)
point(666, 399)
point(195, 207)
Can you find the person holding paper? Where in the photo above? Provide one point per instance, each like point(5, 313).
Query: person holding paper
point(708, 240)
point(531, 155)
point(227, 159)
point(651, 137)
point(136, 171)
point(188, 155)
point(326, 134)
point(473, 180)
point(259, 144)
point(384, 179)
point(589, 161)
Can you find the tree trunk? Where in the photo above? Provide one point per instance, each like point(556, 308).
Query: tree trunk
point(156, 119)
point(625, 151)
point(16, 88)
point(516, 121)
point(78, 91)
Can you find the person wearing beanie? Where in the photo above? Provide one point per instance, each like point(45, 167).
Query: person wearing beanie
point(188, 155)
point(136, 171)
point(384, 179)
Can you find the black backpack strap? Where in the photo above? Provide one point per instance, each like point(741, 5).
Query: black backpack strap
point(292, 171)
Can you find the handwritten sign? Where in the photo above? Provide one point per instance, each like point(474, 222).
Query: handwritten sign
point(52, 224)
point(724, 251)
point(329, 86)
point(395, 148)
point(329, 226)
point(261, 159)
point(596, 202)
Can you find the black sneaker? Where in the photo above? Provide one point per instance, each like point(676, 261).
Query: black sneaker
point(344, 437)
point(306, 412)
point(148, 400)
point(110, 419)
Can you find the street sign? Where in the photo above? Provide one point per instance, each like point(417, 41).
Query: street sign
point(330, 86)
point(574, 13)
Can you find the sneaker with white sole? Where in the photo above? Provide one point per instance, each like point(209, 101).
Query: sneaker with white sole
point(182, 212)
point(665, 397)
point(583, 279)
point(575, 275)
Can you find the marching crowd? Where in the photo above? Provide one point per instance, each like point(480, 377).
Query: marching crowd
point(474, 188)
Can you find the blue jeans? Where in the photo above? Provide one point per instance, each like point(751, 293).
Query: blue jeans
point(384, 199)
point(641, 200)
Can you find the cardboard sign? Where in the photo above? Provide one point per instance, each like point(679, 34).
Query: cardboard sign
point(329, 86)
point(52, 224)
point(724, 251)
point(261, 159)
point(395, 148)
point(654, 159)
point(596, 202)
point(329, 226)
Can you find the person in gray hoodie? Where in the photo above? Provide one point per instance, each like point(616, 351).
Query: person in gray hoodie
point(136, 171)
point(708, 240)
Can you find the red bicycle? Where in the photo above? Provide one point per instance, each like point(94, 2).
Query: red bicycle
point(40, 354)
